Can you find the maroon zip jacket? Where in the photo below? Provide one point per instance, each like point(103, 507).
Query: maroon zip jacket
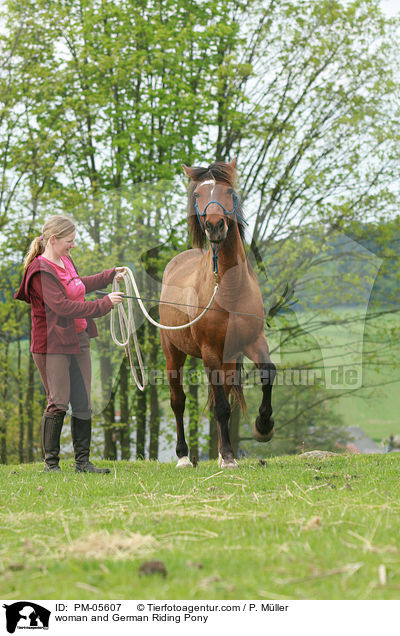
point(53, 327)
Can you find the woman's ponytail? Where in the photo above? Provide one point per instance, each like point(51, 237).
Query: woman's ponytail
point(36, 248)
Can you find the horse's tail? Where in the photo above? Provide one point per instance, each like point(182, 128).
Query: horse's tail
point(237, 390)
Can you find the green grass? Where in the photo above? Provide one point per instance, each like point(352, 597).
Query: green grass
point(293, 528)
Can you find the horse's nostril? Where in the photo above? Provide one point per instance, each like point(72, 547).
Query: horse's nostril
point(220, 224)
point(208, 226)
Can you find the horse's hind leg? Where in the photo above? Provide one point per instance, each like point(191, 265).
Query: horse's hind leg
point(258, 353)
point(175, 360)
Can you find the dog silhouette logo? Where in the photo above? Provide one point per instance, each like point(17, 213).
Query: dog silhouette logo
point(26, 615)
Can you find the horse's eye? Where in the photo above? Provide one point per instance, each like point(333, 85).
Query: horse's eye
point(230, 191)
point(196, 195)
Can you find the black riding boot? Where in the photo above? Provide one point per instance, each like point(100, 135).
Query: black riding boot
point(81, 437)
point(52, 424)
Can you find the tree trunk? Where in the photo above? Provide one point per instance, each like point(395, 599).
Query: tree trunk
point(154, 341)
point(151, 261)
point(3, 439)
point(213, 436)
point(30, 390)
point(124, 428)
point(141, 404)
point(20, 407)
point(3, 435)
point(110, 447)
point(141, 409)
point(154, 423)
point(5, 408)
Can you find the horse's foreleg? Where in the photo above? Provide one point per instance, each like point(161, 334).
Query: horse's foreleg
point(175, 360)
point(178, 399)
point(217, 375)
point(258, 352)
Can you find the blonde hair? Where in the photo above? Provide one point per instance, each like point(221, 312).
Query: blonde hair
point(56, 225)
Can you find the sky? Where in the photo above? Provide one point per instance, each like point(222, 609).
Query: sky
point(391, 7)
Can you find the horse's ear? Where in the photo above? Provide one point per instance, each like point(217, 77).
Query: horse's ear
point(233, 163)
point(188, 171)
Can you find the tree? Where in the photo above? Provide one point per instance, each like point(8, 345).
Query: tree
point(103, 101)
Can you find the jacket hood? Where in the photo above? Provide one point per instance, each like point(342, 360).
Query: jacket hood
point(37, 265)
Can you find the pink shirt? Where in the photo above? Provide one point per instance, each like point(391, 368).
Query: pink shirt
point(73, 285)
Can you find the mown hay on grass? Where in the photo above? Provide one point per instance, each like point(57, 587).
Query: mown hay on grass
point(117, 545)
point(318, 454)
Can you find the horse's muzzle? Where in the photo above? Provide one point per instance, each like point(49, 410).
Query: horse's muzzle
point(216, 233)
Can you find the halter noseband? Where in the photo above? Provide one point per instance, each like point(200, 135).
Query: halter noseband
point(235, 200)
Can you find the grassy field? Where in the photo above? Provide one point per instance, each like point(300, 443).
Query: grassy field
point(287, 528)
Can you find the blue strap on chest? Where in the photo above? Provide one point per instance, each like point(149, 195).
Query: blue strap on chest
point(215, 250)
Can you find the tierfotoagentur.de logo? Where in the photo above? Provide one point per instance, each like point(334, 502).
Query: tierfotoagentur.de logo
point(26, 615)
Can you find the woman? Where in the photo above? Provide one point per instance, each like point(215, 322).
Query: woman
point(62, 324)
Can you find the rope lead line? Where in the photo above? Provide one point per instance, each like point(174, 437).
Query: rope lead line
point(128, 327)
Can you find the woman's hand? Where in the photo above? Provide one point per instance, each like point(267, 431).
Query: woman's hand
point(119, 273)
point(116, 298)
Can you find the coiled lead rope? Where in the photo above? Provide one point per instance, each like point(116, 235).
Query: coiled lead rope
point(128, 327)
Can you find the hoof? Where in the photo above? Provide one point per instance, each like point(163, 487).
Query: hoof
point(263, 437)
point(184, 462)
point(227, 463)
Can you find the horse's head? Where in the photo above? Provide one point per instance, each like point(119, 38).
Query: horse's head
point(213, 202)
